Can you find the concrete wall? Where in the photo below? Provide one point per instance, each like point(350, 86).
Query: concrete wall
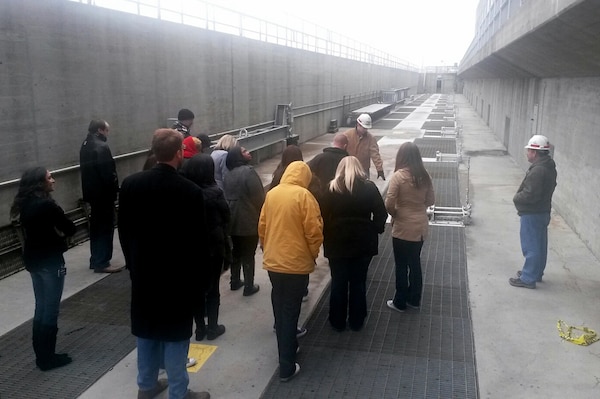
point(566, 111)
point(64, 63)
point(447, 81)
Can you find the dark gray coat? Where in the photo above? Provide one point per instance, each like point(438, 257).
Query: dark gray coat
point(535, 193)
point(245, 195)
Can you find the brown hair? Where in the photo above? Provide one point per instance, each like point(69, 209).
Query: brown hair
point(409, 157)
point(166, 143)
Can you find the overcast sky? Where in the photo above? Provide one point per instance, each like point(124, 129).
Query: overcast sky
point(424, 32)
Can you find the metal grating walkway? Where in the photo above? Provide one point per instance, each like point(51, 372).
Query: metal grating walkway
point(417, 354)
point(445, 182)
point(94, 329)
point(428, 146)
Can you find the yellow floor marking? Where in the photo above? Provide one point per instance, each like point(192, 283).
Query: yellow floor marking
point(201, 353)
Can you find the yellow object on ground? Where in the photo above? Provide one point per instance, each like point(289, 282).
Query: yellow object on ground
point(201, 353)
point(588, 337)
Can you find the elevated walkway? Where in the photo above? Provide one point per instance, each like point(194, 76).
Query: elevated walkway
point(469, 311)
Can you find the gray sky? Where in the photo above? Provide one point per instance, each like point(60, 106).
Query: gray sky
point(424, 32)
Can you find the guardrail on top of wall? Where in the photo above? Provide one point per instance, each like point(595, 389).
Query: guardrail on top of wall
point(209, 16)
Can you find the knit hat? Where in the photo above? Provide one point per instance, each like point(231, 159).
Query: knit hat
point(191, 148)
point(185, 114)
point(206, 143)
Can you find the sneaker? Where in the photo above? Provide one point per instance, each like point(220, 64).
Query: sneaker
point(517, 282)
point(196, 395)
point(252, 290)
point(213, 333)
point(236, 286)
point(191, 362)
point(413, 306)
point(390, 304)
point(286, 379)
point(301, 332)
point(519, 273)
point(161, 385)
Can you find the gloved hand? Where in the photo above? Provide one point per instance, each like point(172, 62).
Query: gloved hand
point(380, 174)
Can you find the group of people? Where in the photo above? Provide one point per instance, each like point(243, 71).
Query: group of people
point(217, 202)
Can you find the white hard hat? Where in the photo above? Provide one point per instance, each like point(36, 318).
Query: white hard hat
point(538, 142)
point(364, 120)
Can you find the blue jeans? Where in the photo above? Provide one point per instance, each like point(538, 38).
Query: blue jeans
point(286, 298)
point(153, 354)
point(534, 244)
point(348, 291)
point(409, 277)
point(47, 288)
point(101, 234)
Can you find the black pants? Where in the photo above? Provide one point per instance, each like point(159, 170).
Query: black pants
point(348, 291)
point(210, 300)
point(102, 229)
point(243, 251)
point(286, 298)
point(409, 278)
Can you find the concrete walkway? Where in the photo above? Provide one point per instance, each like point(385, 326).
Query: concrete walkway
point(518, 351)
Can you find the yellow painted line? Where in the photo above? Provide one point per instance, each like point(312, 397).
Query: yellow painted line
point(201, 353)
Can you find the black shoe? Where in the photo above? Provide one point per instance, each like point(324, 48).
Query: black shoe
point(252, 290)
point(237, 285)
point(295, 373)
point(200, 333)
point(53, 362)
point(519, 273)
point(213, 333)
point(161, 385)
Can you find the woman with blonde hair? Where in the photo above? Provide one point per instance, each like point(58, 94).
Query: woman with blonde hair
point(409, 194)
point(219, 156)
point(353, 216)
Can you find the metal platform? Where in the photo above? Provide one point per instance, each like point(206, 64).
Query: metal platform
point(386, 123)
point(437, 125)
point(94, 329)
point(429, 146)
point(416, 354)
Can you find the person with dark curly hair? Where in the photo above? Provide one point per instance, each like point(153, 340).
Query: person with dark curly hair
point(45, 227)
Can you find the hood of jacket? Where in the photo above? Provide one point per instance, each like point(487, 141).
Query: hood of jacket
point(297, 173)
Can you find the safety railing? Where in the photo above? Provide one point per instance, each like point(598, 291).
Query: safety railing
point(306, 36)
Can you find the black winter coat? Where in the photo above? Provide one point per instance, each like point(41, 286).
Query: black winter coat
point(166, 272)
point(352, 222)
point(99, 182)
point(45, 226)
point(324, 165)
point(217, 219)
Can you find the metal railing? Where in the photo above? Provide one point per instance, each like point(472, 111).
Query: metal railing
point(307, 36)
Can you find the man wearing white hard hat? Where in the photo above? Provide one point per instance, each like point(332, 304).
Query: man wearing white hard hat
point(363, 145)
point(533, 201)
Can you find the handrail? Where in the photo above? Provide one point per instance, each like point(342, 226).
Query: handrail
point(205, 15)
